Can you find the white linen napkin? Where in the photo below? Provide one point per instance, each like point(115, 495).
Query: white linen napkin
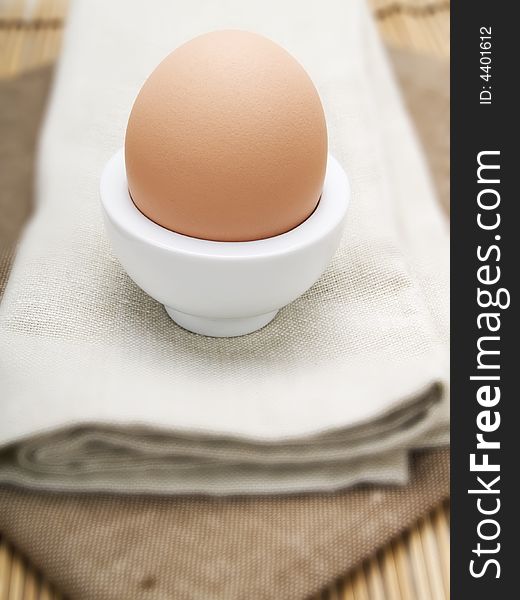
point(102, 391)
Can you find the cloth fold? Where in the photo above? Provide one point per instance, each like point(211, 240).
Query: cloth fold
point(336, 391)
point(115, 458)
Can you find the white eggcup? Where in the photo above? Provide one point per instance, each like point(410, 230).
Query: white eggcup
point(222, 289)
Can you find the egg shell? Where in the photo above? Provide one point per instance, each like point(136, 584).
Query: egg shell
point(227, 140)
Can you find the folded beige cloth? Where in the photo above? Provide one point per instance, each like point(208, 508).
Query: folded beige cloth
point(110, 548)
point(335, 391)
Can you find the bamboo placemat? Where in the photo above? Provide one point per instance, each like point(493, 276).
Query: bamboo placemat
point(416, 565)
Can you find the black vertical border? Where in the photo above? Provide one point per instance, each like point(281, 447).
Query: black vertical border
point(474, 128)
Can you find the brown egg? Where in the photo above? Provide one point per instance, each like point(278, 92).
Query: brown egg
point(227, 140)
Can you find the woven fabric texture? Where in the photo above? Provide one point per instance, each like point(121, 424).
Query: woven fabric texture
point(108, 547)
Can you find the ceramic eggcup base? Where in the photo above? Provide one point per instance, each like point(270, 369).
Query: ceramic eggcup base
point(220, 327)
